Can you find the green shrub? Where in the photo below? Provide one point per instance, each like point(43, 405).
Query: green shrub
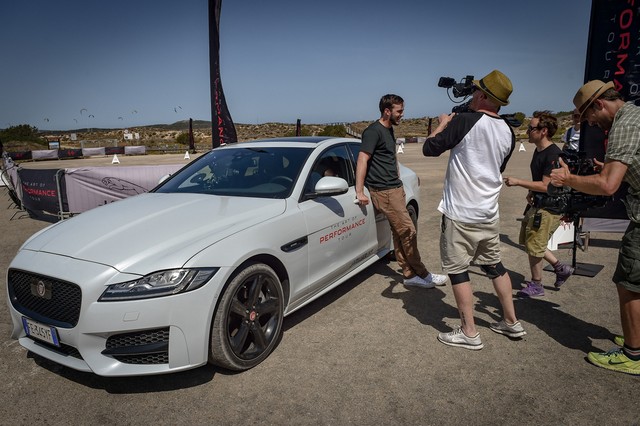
point(304, 131)
point(23, 133)
point(183, 138)
point(520, 116)
point(334, 130)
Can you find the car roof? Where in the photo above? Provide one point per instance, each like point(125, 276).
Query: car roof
point(294, 141)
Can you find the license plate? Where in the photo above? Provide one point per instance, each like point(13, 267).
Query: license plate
point(40, 331)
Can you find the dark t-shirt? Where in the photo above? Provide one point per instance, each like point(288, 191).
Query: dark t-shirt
point(542, 162)
point(382, 170)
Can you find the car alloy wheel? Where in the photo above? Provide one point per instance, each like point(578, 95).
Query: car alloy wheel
point(248, 322)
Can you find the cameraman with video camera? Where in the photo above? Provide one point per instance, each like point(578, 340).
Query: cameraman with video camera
point(600, 103)
point(540, 222)
point(481, 142)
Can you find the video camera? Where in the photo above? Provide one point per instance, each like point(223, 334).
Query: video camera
point(464, 89)
point(566, 200)
point(460, 89)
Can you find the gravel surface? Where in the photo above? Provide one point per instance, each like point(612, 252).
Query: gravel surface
point(367, 353)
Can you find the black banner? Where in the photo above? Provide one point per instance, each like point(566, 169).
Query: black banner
point(19, 156)
point(612, 50)
point(68, 153)
point(222, 129)
point(40, 193)
point(192, 141)
point(612, 55)
point(114, 150)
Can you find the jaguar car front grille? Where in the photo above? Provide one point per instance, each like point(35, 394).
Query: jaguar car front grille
point(45, 299)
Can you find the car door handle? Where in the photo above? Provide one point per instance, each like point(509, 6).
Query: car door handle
point(294, 245)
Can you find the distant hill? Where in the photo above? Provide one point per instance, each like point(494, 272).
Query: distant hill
point(163, 136)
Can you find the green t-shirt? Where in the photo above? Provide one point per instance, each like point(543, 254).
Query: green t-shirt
point(382, 171)
point(624, 146)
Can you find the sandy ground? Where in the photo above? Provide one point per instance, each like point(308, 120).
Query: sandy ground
point(367, 352)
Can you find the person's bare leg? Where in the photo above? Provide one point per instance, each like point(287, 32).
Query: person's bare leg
point(464, 300)
point(535, 263)
point(550, 257)
point(502, 285)
point(630, 316)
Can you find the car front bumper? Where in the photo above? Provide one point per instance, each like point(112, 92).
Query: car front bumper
point(124, 338)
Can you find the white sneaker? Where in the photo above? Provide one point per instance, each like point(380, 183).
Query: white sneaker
point(459, 339)
point(417, 281)
point(511, 330)
point(437, 279)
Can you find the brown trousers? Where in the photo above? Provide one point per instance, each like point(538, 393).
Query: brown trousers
point(392, 203)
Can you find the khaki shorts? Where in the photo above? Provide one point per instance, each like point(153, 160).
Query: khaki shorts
point(464, 243)
point(628, 268)
point(535, 241)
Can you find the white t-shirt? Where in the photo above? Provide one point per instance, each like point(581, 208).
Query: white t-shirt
point(571, 138)
point(479, 147)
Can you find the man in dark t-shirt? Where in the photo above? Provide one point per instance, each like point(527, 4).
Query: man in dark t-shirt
point(377, 169)
point(540, 223)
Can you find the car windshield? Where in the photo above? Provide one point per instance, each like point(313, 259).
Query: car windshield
point(263, 172)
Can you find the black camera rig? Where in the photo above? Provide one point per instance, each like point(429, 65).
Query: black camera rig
point(463, 89)
point(566, 200)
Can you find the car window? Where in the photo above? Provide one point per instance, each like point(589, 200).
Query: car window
point(355, 151)
point(245, 172)
point(335, 161)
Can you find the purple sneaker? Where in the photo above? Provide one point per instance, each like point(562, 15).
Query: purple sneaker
point(533, 289)
point(563, 272)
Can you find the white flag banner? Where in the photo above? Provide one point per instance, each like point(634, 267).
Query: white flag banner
point(91, 187)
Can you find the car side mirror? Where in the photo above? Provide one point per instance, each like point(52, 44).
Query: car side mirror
point(331, 185)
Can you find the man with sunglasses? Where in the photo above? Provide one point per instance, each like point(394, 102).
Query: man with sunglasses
point(599, 102)
point(539, 223)
point(480, 144)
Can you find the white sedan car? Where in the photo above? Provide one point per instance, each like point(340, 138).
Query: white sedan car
point(203, 268)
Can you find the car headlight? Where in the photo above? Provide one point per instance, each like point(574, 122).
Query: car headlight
point(158, 284)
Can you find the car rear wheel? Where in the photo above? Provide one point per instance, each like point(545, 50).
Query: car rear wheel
point(413, 214)
point(248, 323)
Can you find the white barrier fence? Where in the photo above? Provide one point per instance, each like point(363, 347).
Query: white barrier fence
point(55, 194)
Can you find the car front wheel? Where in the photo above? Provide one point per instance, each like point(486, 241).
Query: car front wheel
point(248, 323)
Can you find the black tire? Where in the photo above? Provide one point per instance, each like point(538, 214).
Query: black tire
point(413, 214)
point(248, 322)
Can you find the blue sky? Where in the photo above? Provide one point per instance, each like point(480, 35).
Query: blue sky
point(69, 64)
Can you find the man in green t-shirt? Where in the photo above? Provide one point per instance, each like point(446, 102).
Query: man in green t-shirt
point(599, 102)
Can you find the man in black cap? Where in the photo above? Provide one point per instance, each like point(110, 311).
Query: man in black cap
point(599, 102)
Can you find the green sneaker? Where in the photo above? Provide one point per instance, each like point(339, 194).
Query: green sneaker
point(614, 360)
point(619, 340)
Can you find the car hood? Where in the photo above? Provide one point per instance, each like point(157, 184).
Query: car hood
point(149, 231)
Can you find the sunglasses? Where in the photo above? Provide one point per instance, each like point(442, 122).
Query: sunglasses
point(530, 128)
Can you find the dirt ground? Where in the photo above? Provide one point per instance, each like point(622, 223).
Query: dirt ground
point(367, 352)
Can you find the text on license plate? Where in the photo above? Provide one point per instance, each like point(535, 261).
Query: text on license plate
point(40, 331)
